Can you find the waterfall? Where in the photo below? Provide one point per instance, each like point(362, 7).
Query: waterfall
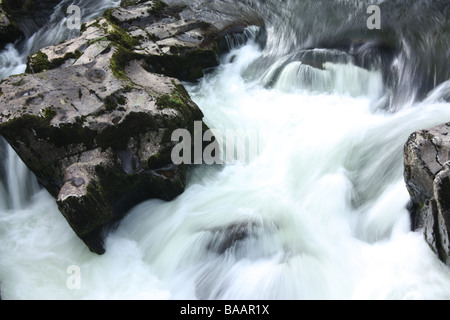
point(320, 213)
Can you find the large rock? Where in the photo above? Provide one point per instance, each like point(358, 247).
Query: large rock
point(427, 175)
point(93, 116)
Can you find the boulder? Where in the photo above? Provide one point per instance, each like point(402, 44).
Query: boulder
point(9, 31)
point(93, 117)
point(427, 176)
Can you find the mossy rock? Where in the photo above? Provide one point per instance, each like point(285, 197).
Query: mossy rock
point(40, 62)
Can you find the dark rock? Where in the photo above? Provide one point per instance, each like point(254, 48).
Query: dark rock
point(427, 176)
point(29, 15)
point(93, 116)
point(75, 144)
point(3, 155)
point(9, 30)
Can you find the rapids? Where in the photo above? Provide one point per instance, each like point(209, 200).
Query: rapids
point(320, 213)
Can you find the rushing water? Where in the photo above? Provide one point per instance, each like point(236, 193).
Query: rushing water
point(320, 213)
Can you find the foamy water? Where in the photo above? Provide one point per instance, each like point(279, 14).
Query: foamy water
point(320, 213)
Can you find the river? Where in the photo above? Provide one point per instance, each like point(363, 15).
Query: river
point(319, 213)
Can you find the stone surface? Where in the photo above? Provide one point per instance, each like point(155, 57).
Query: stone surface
point(427, 176)
point(79, 126)
point(93, 116)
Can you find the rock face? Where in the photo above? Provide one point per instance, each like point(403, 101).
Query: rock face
point(29, 15)
point(427, 175)
point(93, 116)
point(9, 31)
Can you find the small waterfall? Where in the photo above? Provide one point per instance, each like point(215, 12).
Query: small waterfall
point(18, 184)
point(11, 61)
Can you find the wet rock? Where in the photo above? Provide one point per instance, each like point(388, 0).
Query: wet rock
point(92, 117)
point(9, 30)
point(72, 128)
point(427, 176)
point(29, 15)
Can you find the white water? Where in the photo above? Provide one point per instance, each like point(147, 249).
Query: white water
point(320, 214)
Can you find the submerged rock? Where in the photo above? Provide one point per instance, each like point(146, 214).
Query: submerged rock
point(93, 116)
point(427, 175)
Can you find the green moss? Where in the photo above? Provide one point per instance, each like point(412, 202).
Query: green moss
point(421, 206)
point(180, 101)
point(153, 37)
point(157, 8)
point(128, 89)
point(120, 60)
point(94, 189)
point(56, 63)
point(49, 113)
point(113, 101)
point(123, 43)
point(17, 130)
point(110, 104)
point(121, 100)
point(169, 102)
point(104, 38)
point(121, 37)
point(38, 63)
point(117, 34)
point(108, 16)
